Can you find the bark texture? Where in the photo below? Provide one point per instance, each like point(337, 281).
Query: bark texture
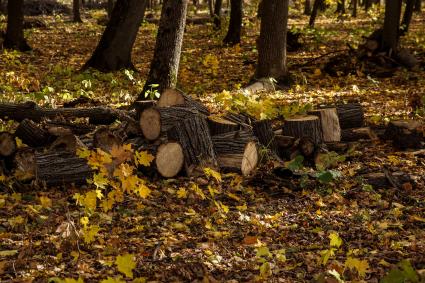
point(76, 11)
point(391, 34)
point(14, 38)
point(233, 35)
point(114, 49)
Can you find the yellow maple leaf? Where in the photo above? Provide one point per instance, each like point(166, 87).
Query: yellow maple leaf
point(143, 191)
point(100, 180)
point(89, 233)
point(335, 240)
point(83, 153)
point(362, 266)
point(212, 173)
point(45, 201)
point(143, 158)
point(84, 221)
point(2, 178)
point(109, 202)
point(126, 264)
point(121, 153)
point(182, 193)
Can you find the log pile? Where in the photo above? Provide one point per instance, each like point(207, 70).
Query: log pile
point(180, 133)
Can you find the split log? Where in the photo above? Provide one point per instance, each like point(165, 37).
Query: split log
point(406, 133)
point(330, 124)
point(236, 151)
point(304, 146)
point(304, 126)
point(7, 144)
point(169, 159)
point(264, 132)
point(105, 139)
point(63, 128)
point(154, 121)
point(30, 110)
point(173, 97)
point(58, 168)
point(350, 115)
point(244, 120)
point(356, 134)
point(194, 137)
point(219, 125)
point(32, 134)
point(69, 143)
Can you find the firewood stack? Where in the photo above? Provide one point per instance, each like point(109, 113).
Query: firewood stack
point(180, 133)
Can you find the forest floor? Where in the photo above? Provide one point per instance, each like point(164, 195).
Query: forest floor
point(266, 228)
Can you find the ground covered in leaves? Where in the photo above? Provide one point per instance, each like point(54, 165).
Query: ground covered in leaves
point(219, 227)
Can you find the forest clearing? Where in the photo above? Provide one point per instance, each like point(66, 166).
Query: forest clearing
point(136, 146)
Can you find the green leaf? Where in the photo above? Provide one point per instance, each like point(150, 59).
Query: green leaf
point(325, 177)
point(408, 271)
point(296, 163)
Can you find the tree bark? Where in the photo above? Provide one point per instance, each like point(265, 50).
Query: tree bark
point(340, 9)
point(390, 36)
point(307, 7)
point(316, 7)
point(173, 97)
point(304, 126)
point(110, 8)
point(354, 14)
point(271, 43)
point(350, 115)
point(14, 38)
point(76, 11)
point(114, 49)
point(407, 17)
point(418, 4)
point(165, 63)
point(217, 14)
point(233, 36)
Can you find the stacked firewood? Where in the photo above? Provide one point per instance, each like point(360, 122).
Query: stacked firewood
point(180, 132)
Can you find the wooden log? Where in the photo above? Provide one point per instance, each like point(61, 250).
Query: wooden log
point(355, 134)
point(284, 141)
point(304, 126)
point(244, 120)
point(264, 132)
point(62, 128)
point(219, 125)
point(24, 164)
point(144, 104)
point(154, 121)
point(69, 143)
point(236, 151)
point(382, 180)
point(30, 110)
point(105, 139)
point(173, 97)
point(58, 168)
point(330, 124)
point(7, 144)
point(406, 133)
point(194, 137)
point(350, 115)
point(32, 134)
point(169, 159)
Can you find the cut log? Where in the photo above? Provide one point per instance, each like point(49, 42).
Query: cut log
point(284, 141)
point(105, 139)
point(194, 137)
point(30, 110)
point(24, 164)
point(350, 115)
point(63, 128)
point(236, 151)
point(7, 144)
point(169, 159)
point(69, 143)
point(142, 105)
point(406, 133)
point(264, 84)
point(304, 126)
point(154, 121)
point(356, 134)
point(264, 132)
point(219, 125)
point(58, 168)
point(381, 180)
point(31, 134)
point(173, 97)
point(244, 120)
point(330, 124)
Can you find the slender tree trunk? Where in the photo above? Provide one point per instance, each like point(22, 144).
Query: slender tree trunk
point(76, 11)
point(211, 8)
point(354, 14)
point(114, 49)
point(391, 33)
point(169, 40)
point(233, 36)
point(407, 17)
point(340, 9)
point(316, 6)
point(217, 13)
point(14, 38)
point(110, 8)
point(418, 5)
point(271, 43)
point(307, 7)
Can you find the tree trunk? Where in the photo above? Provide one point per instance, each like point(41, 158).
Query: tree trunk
point(233, 36)
point(14, 38)
point(407, 17)
point(110, 8)
point(367, 4)
point(271, 43)
point(307, 7)
point(391, 34)
point(165, 63)
point(76, 11)
point(418, 5)
point(211, 7)
point(340, 9)
point(354, 14)
point(316, 6)
point(217, 13)
point(114, 49)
